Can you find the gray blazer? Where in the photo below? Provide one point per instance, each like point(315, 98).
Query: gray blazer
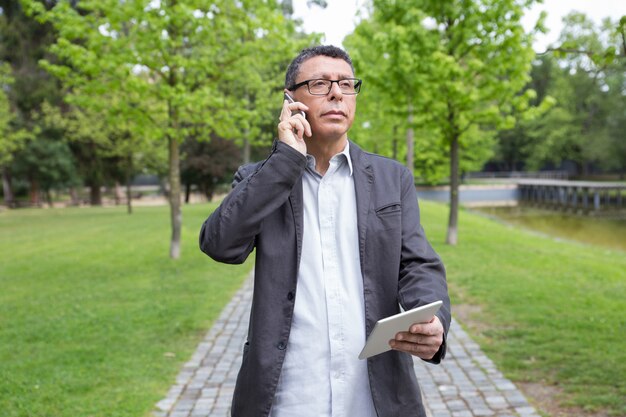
point(264, 212)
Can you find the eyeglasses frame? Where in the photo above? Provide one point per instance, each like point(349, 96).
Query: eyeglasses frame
point(357, 86)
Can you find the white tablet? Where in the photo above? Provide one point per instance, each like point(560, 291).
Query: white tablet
point(387, 328)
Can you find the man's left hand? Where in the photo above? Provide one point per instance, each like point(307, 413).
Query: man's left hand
point(422, 340)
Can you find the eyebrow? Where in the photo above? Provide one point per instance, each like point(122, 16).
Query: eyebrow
point(326, 76)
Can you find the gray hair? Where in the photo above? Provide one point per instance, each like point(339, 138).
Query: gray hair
point(308, 53)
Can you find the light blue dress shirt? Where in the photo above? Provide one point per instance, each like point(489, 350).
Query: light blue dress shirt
point(322, 375)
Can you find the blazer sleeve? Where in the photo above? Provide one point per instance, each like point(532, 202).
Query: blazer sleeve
point(422, 277)
point(228, 234)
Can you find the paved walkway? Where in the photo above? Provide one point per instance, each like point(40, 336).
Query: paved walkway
point(465, 384)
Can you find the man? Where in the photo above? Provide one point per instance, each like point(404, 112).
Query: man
point(338, 246)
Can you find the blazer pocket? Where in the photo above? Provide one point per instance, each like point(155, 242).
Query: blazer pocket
point(389, 216)
point(387, 209)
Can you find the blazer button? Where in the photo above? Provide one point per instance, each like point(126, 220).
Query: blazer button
point(290, 296)
point(281, 346)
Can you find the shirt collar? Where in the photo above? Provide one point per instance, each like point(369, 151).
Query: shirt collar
point(343, 154)
point(346, 153)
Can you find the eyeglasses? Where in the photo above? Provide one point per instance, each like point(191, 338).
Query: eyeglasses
point(321, 87)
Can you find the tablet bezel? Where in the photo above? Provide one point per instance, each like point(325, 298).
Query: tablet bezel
point(387, 328)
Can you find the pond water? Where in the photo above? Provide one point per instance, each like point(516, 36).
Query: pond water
point(607, 232)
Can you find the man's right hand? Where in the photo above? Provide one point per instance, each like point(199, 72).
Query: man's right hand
point(293, 126)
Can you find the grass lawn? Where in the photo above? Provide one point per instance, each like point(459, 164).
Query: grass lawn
point(95, 319)
point(550, 311)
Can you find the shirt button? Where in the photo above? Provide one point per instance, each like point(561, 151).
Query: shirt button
point(290, 295)
point(281, 346)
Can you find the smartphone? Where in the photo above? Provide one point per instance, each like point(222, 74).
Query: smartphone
point(291, 100)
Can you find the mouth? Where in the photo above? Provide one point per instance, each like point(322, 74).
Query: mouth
point(334, 113)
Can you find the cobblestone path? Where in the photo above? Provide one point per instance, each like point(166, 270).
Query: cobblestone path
point(465, 384)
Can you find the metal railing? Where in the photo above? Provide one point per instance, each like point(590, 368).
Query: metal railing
point(552, 175)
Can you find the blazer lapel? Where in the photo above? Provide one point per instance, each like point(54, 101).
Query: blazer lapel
point(363, 180)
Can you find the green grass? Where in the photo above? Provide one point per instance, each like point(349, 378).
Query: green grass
point(555, 311)
point(95, 319)
point(92, 309)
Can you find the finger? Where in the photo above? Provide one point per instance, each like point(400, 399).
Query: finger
point(287, 132)
point(433, 327)
point(298, 107)
point(285, 112)
point(297, 125)
point(420, 339)
point(424, 329)
point(305, 123)
point(421, 351)
point(291, 120)
point(284, 127)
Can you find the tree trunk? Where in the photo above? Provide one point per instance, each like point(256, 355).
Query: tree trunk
point(176, 216)
point(410, 139)
point(6, 187)
point(452, 236)
point(209, 191)
point(129, 198)
point(75, 199)
point(394, 142)
point(246, 134)
point(48, 195)
point(95, 194)
point(129, 191)
point(187, 192)
point(174, 197)
point(246, 150)
point(34, 193)
point(117, 193)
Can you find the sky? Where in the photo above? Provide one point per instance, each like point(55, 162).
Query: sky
point(340, 17)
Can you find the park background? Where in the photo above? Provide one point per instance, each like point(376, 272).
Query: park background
point(114, 114)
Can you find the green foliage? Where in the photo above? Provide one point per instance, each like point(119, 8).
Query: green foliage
point(169, 67)
point(47, 163)
point(585, 121)
point(382, 117)
point(22, 41)
point(10, 141)
point(94, 321)
point(451, 69)
point(164, 71)
point(209, 164)
point(460, 71)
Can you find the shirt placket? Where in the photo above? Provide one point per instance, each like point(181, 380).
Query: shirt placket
point(328, 215)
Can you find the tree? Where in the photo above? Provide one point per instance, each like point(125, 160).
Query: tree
point(588, 83)
point(172, 56)
point(384, 54)
point(10, 140)
point(515, 146)
point(208, 164)
point(583, 78)
point(470, 60)
point(24, 85)
point(47, 164)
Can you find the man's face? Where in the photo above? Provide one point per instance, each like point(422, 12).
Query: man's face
point(330, 116)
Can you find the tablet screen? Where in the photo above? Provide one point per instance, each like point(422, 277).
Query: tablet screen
point(387, 328)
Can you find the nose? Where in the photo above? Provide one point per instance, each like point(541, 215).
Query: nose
point(335, 92)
